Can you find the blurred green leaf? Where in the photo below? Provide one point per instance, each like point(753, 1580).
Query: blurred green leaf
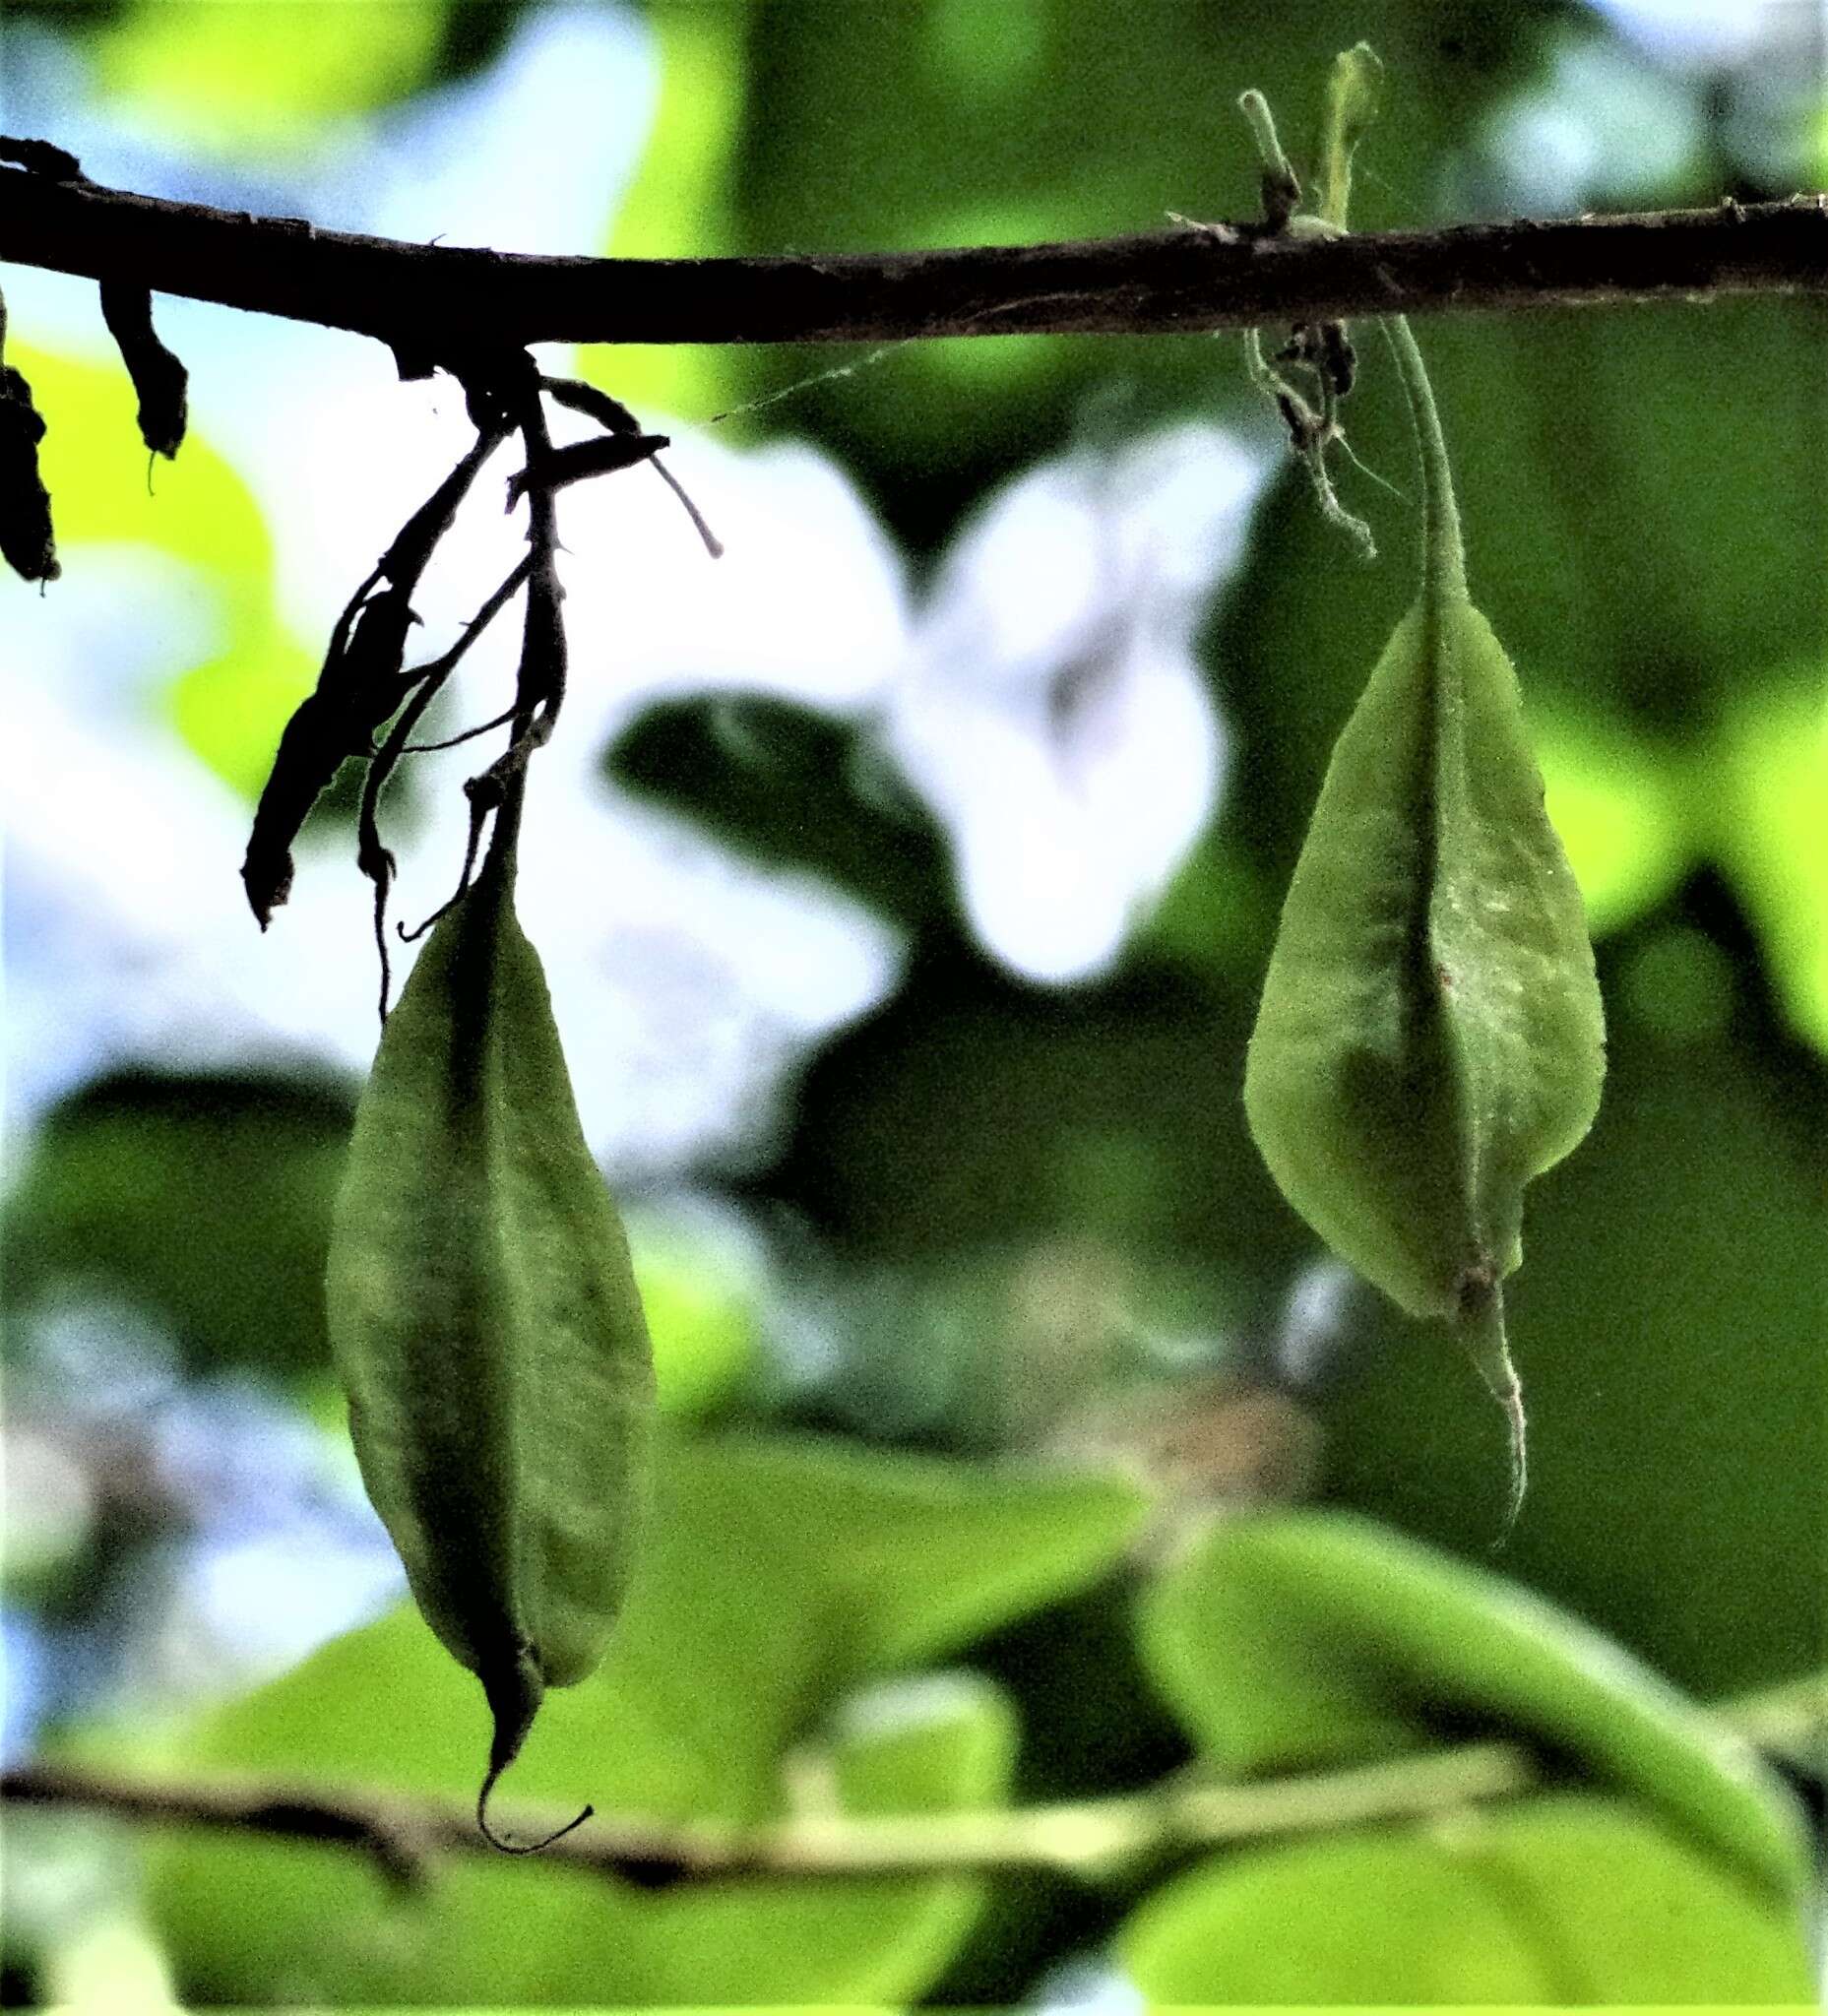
point(1317, 1638)
point(1616, 799)
point(1762, 794)
point(1566, 1900)
point(940, 1742)
point(1789, 1721)
point(772, 1580)
point(1217, 916)
point(789, 787)
point(263, 78)
point(205, 1200)
point(918, 1558)
point(231, 708)
point(677, 206)
point(702, 1316)
point(1643, 497)
point(1679, 984)
point(1048, 1096)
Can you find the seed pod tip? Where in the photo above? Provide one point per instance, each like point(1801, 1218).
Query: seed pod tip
point(513, 1694)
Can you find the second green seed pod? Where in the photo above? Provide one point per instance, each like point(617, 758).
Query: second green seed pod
point(1431, 1035)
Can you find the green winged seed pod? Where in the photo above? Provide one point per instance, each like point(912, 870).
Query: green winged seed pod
point(486, 1322)
point(1431, 1035)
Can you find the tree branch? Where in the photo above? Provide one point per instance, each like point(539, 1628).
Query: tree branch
point(1185, 280)
point(1092, 1839)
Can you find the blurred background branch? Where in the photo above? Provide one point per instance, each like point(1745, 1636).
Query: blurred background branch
point(1091, 1839)
point(1088, 1838)
point(439, 297)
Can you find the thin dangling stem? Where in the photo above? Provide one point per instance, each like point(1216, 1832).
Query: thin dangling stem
point(1443, 562)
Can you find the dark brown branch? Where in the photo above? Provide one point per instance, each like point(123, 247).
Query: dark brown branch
point(440, 297)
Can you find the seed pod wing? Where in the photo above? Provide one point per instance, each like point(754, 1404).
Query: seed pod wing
point(585, 1444)
point(1509, 937)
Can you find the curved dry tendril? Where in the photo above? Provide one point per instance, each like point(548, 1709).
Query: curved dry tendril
point(362, 684)
point(1320, 353)
point(713, 545)
point(539, 697)
point(374, 860)
point(611, 415)
point(1312, 426)
point(601, 455)
point(540, 678)
point(482, 727)
point(478, 813)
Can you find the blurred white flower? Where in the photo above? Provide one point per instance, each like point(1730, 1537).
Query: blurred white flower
point(1053, 711)
point(125, 935)
point(1704, 33)
point(1603, 126)
point(1626, 117)
point(1315, 1321)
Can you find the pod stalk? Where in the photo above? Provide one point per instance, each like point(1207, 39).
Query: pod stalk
point(1482, 1331)
point(1444, 554)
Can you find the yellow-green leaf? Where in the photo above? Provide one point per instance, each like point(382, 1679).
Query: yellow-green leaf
point(1563, 1900)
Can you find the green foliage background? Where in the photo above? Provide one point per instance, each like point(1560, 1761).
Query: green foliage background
point(1645, 516)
